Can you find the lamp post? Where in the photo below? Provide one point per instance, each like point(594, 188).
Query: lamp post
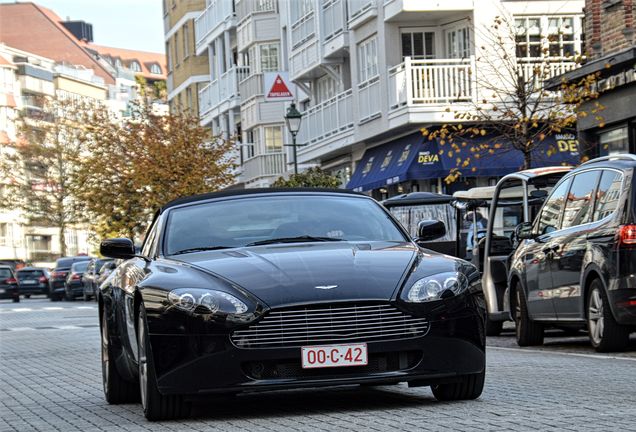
point(293, 118)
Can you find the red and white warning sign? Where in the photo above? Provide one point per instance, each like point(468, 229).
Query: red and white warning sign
point(277, 86)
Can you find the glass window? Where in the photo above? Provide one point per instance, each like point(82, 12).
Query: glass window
point(273, 139)
point(269, 57)
point(551, 212)
point(458, 43)
point(614, 141)
point(418, 44)
point(155, 69)
point(528, 37)
point(186, 41)
point(240, 222)
point(169, 53)
point(135, 66)
point(149, 242)
point(578, 206)
point(367, 59)
point(609, 191)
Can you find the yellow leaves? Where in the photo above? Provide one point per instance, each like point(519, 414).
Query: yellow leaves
point(483, 132)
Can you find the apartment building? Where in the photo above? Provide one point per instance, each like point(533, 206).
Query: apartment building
point(610, 33)
point(25, 80)
point(367, 75)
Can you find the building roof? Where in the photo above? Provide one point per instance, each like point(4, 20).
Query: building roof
point(144, 58)
point(46, 36)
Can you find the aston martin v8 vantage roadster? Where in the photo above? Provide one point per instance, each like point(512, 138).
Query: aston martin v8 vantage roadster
point(276, 289)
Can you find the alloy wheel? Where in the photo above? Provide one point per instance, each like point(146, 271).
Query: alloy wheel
point(596, 320)
point(105, 359)
point(143, 362)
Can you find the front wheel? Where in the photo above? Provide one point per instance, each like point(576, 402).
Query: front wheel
point(116, 389)
point(606, 334)
point(528, 332)
point(470, 387)
point(16, 299)
point(155, 405)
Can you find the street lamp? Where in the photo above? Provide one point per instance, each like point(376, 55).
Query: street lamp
point(293, 118)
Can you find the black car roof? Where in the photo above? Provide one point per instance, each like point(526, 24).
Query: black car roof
point(417, 198)
point(255, 191)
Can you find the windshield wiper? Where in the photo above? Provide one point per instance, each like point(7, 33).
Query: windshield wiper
point(299, 239)
point(200, 249)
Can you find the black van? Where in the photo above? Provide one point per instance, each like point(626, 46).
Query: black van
point(576, 265)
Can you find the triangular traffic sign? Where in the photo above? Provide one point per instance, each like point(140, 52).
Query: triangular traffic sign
point(279, 89)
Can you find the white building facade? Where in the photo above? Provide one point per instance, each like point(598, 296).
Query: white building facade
point(366, 72)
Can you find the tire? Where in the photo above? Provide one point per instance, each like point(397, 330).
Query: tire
point(470, 387)
point(528, 332)
point(86, 296)
point(116, 389)
point(155, 405)
point(493, 328)
point(16, 299)
point(27, 296)
point(606, 335)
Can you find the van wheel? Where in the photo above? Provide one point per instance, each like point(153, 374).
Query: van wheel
point(606, 334)
point(493, 328)
point(528, 332)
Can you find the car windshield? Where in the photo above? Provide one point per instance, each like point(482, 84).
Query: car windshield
point(277, 219)
point(80, 266)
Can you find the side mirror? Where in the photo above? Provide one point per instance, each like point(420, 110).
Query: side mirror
point(430, 230)
point(523, 231)
point(117, 248)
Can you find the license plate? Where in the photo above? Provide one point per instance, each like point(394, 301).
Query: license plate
point(29, 282)
point(324, 356)
point(2, 291)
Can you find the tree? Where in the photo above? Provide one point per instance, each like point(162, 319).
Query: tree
point(40, 167)
point(313, 177)
point(512, 105)
point(135, 165)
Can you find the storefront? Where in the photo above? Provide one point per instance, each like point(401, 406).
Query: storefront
point(414, 164)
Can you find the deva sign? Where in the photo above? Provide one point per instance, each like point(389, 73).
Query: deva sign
point(426, 158)
point(567, 143)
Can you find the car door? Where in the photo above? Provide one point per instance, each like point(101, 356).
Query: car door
point(538, 258)
point(570, 245)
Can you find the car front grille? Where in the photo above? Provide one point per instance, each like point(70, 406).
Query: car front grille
point(311, 325)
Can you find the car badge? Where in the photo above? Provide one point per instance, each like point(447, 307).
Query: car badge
point(326, 287)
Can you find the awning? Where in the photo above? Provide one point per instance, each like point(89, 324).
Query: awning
point(414, 157)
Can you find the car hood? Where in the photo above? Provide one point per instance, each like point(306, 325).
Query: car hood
point(287, 274)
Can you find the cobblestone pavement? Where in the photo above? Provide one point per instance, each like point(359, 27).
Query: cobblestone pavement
point(50, 380)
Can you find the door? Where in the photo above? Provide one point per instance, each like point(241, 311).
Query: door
point(539, 255)
point(570, 245)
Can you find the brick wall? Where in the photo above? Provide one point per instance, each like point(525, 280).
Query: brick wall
point(609, 26)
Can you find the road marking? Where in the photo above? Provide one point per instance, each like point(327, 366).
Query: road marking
point(593, 356)
point(53, 308)
point(21, 328)
point(22, 310)
point(68, 327)
point(85, 307)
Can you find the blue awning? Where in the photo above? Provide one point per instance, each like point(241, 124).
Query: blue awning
point(414, 157)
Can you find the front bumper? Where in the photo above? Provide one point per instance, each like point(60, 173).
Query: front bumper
point(204, 364)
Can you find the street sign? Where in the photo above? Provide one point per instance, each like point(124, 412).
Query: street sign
point(277, 86)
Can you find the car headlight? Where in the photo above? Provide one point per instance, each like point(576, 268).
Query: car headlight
point(436, 287)
point(210, 302)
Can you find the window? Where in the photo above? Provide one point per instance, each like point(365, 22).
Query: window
point(189, 98)
point(326, 88)
point(269, 57)
point(118, 63)
point(300, 8)
point(578, 206)
point(551, 212)
point(169, 54)
point(418, 44)
point(528, 37)
point(135, 66)
point(561, 36)
point(614, 141)
point(155, 69)
point(367, 59)
point(4, 234)
point(186, 41)
point(273, 139)
point(609, 191)
point(149, 242)
point(458, 43)
point(177, 60)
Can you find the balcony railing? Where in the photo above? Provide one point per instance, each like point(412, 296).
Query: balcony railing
point(245, 8)
point(221, 89)
point(264, 165)
point(303, 30)
point(540, 70)
point(333, 13)
point(217, 12)
point(358, 7)
point(328, 118)
point(369, 99)
point(304, 58)
point(250, 86)
point(431, 81)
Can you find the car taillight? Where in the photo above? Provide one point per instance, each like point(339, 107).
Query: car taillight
point(42, 279)
point(58, 274)
point(627, 235)
point(75, 276)
point(10, 281)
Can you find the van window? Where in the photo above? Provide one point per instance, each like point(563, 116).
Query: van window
point(609, 191)
point(578, 206)
point(549, 220)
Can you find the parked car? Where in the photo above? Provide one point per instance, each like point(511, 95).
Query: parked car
point(74, 286)
point(33, 280)
point(242, 273)
point(576, 266)
point(57, 279)
point(8, 284)
point(14, 263)
point(92, 276)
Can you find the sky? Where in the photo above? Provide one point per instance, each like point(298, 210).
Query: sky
point(132, 24)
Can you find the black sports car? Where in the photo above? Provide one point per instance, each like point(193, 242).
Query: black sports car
point(275, 289)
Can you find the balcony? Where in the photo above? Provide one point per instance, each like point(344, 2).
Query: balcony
point(216, 18)
point(361, 11)
point(409, 10)
point(251, 86)
point(257, 28)
point(369, 100)
point(431, 82)
point(541, 70)
point(264, 165)
point(327, 119)
point(222, 89)
point(247, 8)
point(334, 32)
point(304, 59)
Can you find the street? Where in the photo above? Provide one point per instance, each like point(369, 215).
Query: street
point(51, 380)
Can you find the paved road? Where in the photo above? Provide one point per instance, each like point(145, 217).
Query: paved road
point(50, 381)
